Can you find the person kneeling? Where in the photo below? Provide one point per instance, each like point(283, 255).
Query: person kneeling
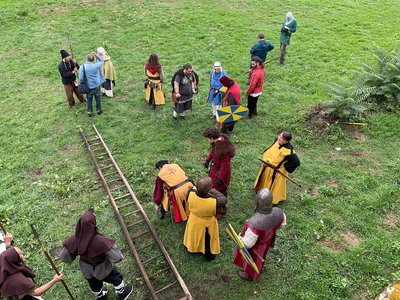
point(201, 233)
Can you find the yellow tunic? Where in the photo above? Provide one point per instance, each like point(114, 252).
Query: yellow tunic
point(202, 216)
point(277, 186)
point(172, 175)
point(158, 92)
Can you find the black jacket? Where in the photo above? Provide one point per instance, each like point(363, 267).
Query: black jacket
point(66, 71)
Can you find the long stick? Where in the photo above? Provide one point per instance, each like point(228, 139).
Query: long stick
point(36, 234)
point(268, 61)
point(3, 228)
point(277, 170)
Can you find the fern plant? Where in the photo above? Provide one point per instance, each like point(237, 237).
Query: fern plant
point(380, 83)
point(345, 104)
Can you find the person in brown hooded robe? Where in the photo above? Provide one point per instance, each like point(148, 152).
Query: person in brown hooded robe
point(98, 255)
point(16, 279)
point(222, 151)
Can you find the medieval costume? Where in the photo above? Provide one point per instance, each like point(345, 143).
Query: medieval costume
point(255, 88)
point(201, 233)
point(288, 27)
point(215, 95)
point(176, 184)
point(98, 255)
point(154, 91)
point(68, 77)
point(261, 49)
point(108, 72)
point(222, 151)
point(16, 279)
point(258, 234)
point(285, 160)
point(232, 97)
point(184, 86)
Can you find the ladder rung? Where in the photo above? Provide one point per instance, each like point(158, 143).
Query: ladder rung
point(166, 287)
point(96, 139)
point(114, 180)
point(131, 213)
point(144, 247)
point(151, 259)
point(140, 234)
point(121, 197)
point(125, 205)
point(109, 166)
point(133, 224)
point(117, 188)
point(95, 144)
point(113, 173)
point(161, 271)
point(101, 154)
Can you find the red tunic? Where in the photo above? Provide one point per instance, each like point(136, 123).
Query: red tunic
point(261, 247)
point(221, 154)
point(234, 90)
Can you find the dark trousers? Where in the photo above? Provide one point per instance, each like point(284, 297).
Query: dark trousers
point(282, 54)
point(252, 105)
point(228, 127)
point(96, 94)
point(70, 89)
point(115, 278)
point(209, 256)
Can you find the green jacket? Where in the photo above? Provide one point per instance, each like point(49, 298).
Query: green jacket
point(285, 36)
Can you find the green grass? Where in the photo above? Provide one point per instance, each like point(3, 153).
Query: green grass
point(46, 176)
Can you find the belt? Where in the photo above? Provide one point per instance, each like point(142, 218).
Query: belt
point(179, 184)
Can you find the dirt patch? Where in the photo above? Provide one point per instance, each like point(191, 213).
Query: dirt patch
point(317, 116)
point(70, 148)
point(199, 291)
point(334, 245)
point(391, 221)
point(355, 133)
point(53, 10)
point(350, 239)
point(332, 183)
point(35, 171)
point(314, 191)
point(362, 294)
point(221, 275)
point(342, 242)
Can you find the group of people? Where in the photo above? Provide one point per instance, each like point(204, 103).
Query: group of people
point(97, 258)
point(204, 203)
point(99, 73)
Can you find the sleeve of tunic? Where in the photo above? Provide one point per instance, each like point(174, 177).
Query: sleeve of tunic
point(231, 100)
point(66, 256)
point(292, 163)
point(221, 199)
point(249, 239)
point(253, 83)
point(114, 255)
point(158, 191)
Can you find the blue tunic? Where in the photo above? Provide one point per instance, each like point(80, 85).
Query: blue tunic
point(215, 85)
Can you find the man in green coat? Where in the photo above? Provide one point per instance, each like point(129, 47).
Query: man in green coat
point(288, 27)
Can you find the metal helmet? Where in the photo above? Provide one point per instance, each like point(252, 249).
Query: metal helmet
point(264, 201)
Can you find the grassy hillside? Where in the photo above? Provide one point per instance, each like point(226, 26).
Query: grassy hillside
point(342, 237)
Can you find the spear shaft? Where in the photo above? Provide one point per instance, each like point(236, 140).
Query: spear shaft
point(53, 265)
point(3, 228)
point(278, 171)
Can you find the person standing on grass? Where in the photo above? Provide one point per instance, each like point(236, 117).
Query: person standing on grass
point(201, 232)
point(220, 156)
point(176, 184)
point(68, 68)
point(16, 278)
point(215, 95)
point(288, 27)
point(155, 77)
point(184, 85)
point(108, 72)
point(256, 85)
point(261, 48)
point(232, 97)
point(92, 71)
point(281, 155)
point(98, 255)
point(258, 235)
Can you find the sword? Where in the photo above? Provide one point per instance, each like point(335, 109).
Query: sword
point(37, 237)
